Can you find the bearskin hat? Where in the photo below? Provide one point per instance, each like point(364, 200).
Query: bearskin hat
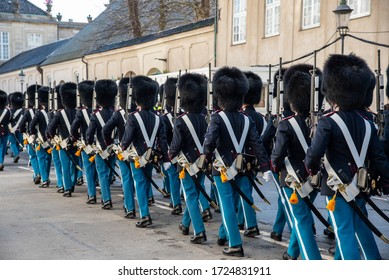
point(346, 79)
point(106, 91)
point(3, 99)
point(31, 94)
point(85, 89)
point(144, 91)
point(43, 96)
point(9, 99)
point(17, 100)
point(68, 92)
point(253, 96)
point(123, 89)
point(193, 92)
point(368, 100)
point(59, 99)
point(170, 91)
point(298, 92)
point(230, 85)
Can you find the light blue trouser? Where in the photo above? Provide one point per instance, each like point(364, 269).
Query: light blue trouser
point(57, 167)
point(166, 181)
point(174, 185)
point(68, 169)
point(15, 140)
point(90, 174)
point(127, 185)
point(280, 221)
point(79, 173)
point(3, 147)
point(44, 161)
point(302, 229)
point(352, 234)
point(227, 198)
point(103, 172)
point(141, 187)
point(33, 160)
point(192, 196)
point(246, 214)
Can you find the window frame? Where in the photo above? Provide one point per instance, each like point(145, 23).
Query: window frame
point(239, 29)
point(315, 12)
point(2, 45)
point(360, 14)
point(275, 23)
point(34, 36)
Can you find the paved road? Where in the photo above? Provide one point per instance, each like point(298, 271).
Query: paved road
point(40, 224)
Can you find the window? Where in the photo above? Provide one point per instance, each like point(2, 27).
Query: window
point(360, 8)
point(311, 13)
point(272, 18)
point(33, 41)
point(4, 45)
point(239, 21)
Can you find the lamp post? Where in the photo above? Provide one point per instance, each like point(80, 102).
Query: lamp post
point(343, 13)
point(21, 79)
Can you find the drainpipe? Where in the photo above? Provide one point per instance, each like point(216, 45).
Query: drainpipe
point(40, 70)
point(86, 68)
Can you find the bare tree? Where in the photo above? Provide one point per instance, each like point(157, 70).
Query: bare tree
point(133, 9)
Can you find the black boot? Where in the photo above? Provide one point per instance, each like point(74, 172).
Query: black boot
point(60, 190)
point(177, 210)
point(91, 200)
point(236, 251)
point(206, 215)
point(144, 222)
point(221, 241)
point(286, 256)
point(67, 193)
point(151, 201)
point(45, 184)
point(329, 233)
point(107, 205)
point(37, 179)
point(276, 236)
point(198, 238)
point(251, 232)
point(129, 214)
point(184, 229)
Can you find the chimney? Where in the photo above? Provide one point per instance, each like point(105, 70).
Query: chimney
point(16, 4)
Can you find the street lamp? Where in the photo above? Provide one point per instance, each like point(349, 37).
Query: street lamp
point(21, 79)
point(343, 13)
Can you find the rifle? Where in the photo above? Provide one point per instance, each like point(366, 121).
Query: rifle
point(379, 118)
point(177, 102)
point(269, 96)
point(36, 96)
point(314, 100)
point(209, 94)
point(78, 99)
point(280, 96)
point(129, 98)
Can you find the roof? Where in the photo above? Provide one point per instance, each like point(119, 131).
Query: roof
point(25, 7)
point(155, 36)
point(33, 57)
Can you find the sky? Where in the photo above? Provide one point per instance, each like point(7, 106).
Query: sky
point(78, 10)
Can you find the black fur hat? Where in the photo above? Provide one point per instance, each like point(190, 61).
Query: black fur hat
point(193, 92)
point(170, 91)
point(298, 92)
point(368, 100)
point(59, 99)
point(85, 89)
point(346, 79)
point(17, 100)
point(3, 99)
point(230, 85)
point(253, 96)
point(123, 88)
point(43, 96)
point(31, 94)
point(106, 91)
point(144, 91)
point(68, 92)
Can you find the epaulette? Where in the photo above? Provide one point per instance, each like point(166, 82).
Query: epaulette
point(244, 113)
point(329, 114)
point(287, 118)
point(183, 114)
point(218, 111)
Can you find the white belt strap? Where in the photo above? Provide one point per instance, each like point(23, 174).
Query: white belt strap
point(123, 113)
point(170, 118)
point(149, 141)
point(3, 115)
point(45, 116)
point(16, 114)
point(86, 116)
point(358, 158)
point(66, 120)
point(238, 146)
point(264, 126)
point(100, 119)
point(32, 114)
point(299, 133)
point(193, 133)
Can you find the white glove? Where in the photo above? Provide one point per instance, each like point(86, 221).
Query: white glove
point(166, 165)
point(267, 175)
